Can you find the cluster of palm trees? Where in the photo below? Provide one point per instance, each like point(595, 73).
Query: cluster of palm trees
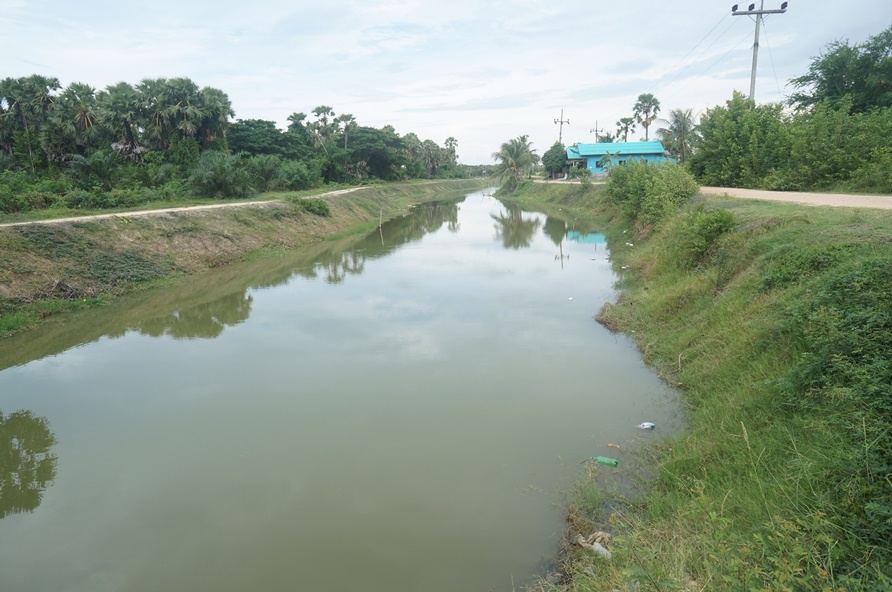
point(644, 113)
point(41, 123)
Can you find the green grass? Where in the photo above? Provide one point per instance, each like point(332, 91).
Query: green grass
point(779, 332)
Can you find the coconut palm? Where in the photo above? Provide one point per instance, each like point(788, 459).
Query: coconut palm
point(681, 135)
point(645, 110)
point(514, 158)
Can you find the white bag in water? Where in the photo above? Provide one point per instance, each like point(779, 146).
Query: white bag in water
point(646, 425)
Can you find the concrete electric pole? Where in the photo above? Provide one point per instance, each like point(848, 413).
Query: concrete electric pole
point(561, 121)
point(759, 14)
point(596, 130)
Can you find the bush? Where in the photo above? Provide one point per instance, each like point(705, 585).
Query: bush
point(300, 175)
point(218, 174)
point(317, 207)
point(265, 171)
point(86, 200)
point(649, 192)
point(699, 232)
point(672, 187)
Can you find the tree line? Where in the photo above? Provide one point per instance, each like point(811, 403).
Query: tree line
point(166, 138)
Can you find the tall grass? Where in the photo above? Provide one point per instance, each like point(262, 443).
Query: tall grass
point(777, 322)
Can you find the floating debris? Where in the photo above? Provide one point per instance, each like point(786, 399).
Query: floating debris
point(606, 460)
point(612, 445)
point(646, 425)
point(570, 299)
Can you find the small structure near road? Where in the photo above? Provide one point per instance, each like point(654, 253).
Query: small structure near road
point(599, 157)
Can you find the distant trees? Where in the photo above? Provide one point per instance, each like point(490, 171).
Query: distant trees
point(555, 159)
point(624, 127)
point(166, 137)
point(682, 134)
point(645, 111)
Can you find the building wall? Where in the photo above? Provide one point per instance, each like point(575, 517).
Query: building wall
point(592, 161)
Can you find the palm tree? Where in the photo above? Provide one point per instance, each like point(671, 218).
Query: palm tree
point(624, 127)
point(515, 231)
point(120, 105)
point(451, 145)
point(646, 110)
point(681, 135)
point(349, 123)
point(515, 157)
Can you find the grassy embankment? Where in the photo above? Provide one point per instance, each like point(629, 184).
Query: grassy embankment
point(49, 269)
point(779, 332)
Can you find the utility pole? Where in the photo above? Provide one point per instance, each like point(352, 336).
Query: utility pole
point(759, 14)
point(561, 121)
point(595, 130)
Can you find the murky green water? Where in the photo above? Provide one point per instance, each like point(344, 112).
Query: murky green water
point(399, 413)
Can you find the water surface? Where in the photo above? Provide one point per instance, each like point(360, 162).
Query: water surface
point(397, 412)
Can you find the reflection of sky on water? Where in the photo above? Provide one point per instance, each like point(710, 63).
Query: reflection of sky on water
point(437, 390)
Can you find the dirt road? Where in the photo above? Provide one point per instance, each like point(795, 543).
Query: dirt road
point(843, 200)
point(138, 213)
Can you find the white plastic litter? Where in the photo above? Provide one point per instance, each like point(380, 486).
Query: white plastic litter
point(570, 298)
point(646, 425)
point(594, 546)
point(629, 245)
point(625, 267)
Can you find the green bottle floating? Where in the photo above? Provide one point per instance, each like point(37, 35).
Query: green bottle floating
point(606, 460)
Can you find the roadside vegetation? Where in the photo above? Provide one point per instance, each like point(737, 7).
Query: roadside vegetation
point(775, 320)
point(167, 140)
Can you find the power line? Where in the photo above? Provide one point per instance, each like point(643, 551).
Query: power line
point(681, 65)
point(771, 59)
point(678, 72)
point(759, 14)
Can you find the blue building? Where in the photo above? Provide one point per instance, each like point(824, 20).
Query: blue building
point(598, 157)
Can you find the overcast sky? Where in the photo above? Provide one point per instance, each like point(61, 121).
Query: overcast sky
point(482, 71)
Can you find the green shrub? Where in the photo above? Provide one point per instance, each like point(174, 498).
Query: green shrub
point(87, 200)
point(218, 174)
point(627, 184)
point(317, 207)
point(265, 171)
point(672, 187)
point(698, 233)
point(649, 192)
point(299, 175)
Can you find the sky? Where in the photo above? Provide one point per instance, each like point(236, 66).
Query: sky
point(481, 71)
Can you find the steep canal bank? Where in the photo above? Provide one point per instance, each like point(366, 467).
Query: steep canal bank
point(777, 328)
point(47, 269)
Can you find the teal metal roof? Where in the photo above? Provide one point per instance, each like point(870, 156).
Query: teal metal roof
point(614, 148)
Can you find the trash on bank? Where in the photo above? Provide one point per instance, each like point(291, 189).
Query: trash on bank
point(646, 425)
point(596, 543)
point(606, 460)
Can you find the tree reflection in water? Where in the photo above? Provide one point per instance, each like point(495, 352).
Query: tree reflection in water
point(514, 231)
point(337, 265)
point(27, 466)
point(205, 320)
